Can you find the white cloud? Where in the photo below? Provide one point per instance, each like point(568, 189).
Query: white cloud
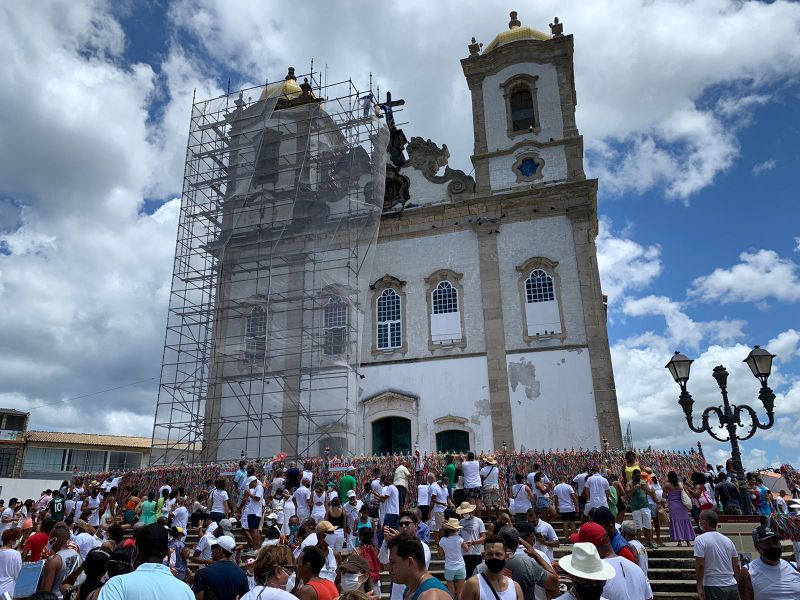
point(762, 167)
point(759, 276)
point(797, 244)
point(624, 265)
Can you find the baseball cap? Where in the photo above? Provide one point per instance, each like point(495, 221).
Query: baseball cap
point(351, 494)
point(602, 515)
point(591, 533)
point(225, 524)
point(226, 542)
point(355, 564)
point(525, 529)
point(325, 527)
point(764, 532)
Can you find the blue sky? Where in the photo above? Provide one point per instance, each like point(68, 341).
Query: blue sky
point(690, 114)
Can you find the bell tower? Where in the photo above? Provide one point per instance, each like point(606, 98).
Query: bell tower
point(523, 109)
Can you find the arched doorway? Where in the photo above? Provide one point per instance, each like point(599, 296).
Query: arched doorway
point(390, 435)
point(452, 440)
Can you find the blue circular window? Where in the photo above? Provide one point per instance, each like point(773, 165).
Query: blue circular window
point(528, 167)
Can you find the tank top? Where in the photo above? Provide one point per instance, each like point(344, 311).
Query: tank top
point(326, 589)
point(487, 594)
point(432, 583)
point(337, 522)
point(70, 560)
point(522, 501)
point(774, 582)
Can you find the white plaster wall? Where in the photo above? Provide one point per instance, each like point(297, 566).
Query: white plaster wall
point(452, 386)
point(550, 238)
point(423, 191)
point(412, 260)
point(547, 98)
point(23, 489)
point(502, 175)
point(552, 401)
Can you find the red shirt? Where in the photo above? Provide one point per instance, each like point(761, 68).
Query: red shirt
point(36, 543)
point(626, 553)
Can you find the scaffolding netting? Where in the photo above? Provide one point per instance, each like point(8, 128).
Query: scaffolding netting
point(282, 197)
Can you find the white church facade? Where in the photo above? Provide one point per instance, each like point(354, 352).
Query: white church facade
point(488, 323)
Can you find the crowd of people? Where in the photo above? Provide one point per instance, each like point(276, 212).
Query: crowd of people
point(325, 539)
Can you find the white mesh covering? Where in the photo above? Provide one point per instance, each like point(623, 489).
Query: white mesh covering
point(279, 218)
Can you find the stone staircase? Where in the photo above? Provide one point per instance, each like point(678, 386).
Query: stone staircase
point(671, 568)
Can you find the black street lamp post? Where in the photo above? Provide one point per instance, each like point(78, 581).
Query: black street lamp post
point(729, 416)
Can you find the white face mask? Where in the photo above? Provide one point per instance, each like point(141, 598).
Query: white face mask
point(291, 582)
point(350, 581)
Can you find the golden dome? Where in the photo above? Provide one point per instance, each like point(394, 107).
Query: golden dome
point(515, 33)
point(287, 89)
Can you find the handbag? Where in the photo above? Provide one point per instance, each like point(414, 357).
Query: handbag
point(685, 500)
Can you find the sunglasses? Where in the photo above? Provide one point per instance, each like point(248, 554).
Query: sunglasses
point(406, 523)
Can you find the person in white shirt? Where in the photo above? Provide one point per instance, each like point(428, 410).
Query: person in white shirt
point(588, 572)
point(522, 499)
point(546, 537)
point(780, 503)
point(471, 470)
point(302, 500)
point(8, 516)
point(768, 577)
point(716, 562)
point(391, 505)
point(424, 498)
point(93, 504)
point(83, 537)
point(351, 509)
point(253, 511)
point(400, 481)
point(473, 532)
point(628, 531)
point(308, 474)
point(439, 501)
point(598, 491)
point(180, 514)
point(490, 478)
point(580, 483)
point(452, 548)
point(566, 504)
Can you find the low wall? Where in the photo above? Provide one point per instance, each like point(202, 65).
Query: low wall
point(26, 488)
point(554, 464)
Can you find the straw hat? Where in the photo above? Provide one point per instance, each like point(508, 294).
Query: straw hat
point(585, 562)
point(465, 508)
point(453, 525)
point(489, 460)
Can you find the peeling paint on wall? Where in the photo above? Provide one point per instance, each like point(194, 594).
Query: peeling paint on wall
point(523, 373)
point(482, 408)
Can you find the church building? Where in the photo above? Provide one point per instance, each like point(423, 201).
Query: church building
point(487, 326)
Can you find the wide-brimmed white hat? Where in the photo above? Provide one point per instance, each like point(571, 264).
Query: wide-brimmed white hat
point(464, 508)
point(454, 525)
point(585, 562)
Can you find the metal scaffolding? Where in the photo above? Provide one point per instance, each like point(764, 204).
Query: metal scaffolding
point(282, 197)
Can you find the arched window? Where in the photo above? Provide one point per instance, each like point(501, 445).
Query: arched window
point(389, 320)
point(522, 110)
point(541, 308)
point(539, 287)
point(446, 316)
point(256, 333)
point(335, 326)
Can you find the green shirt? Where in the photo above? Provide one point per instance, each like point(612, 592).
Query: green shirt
point(346, 483)
point(450, 471)
point(638, 499)
point(56, 508)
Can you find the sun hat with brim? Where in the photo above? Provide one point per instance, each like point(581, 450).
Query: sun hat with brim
point(452, 524)
point(490, 460)
point(465, 508)
point(585, 562)
point(94, 483)
point(81, 523)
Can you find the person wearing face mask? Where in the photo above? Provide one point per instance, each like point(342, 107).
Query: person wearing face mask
point(10, 560)
point(273, 572)
point(355, 575)
point(322, 533)
point(492, 583)
point(64, 560)
point(768, 577)
point(532, 573)
point(587, 571)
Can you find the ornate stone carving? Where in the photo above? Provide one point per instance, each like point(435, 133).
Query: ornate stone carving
point(557, 28)
point(427, 157)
